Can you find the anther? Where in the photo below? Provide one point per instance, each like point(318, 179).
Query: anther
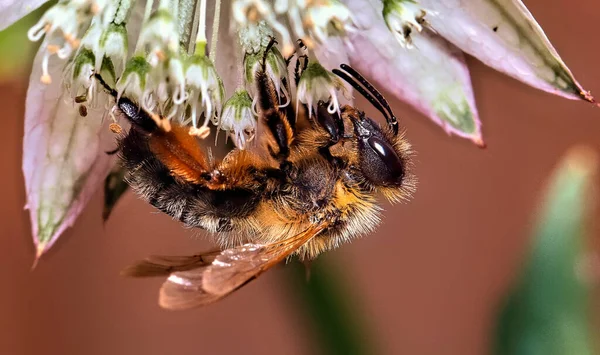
point(201, 132)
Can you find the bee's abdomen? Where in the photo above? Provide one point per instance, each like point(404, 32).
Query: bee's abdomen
point(193, 204)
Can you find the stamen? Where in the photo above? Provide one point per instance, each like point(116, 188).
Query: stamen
point(46, 78)
point(286, 95)
point(334, 105)
point(201, 132)
point(36, 32)
point(52, 48)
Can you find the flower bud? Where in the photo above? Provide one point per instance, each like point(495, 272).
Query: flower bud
point(238, 119)
point(205, 89)
point(403, 17)
point(134, 82)
point(318, 84)
point(81, 75)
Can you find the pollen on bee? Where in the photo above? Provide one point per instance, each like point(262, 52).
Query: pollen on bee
point(115, 128)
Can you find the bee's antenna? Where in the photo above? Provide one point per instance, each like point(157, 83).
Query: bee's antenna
point(110, 90)
point(363, 92)
point(361, 79)
point(376, 93)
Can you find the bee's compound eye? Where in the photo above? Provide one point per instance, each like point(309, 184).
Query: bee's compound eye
point(379, 161)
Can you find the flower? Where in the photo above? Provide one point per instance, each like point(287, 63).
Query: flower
point(238, 119)
point(150, 56)
point(402, 18)
point(318, 84)
point(206, 90)
point(275, 68)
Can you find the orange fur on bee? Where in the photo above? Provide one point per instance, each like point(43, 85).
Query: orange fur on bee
point(181, 153)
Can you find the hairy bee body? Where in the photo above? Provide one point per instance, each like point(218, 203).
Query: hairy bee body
point(324, 174)
point(310, 185)
point(266, 205)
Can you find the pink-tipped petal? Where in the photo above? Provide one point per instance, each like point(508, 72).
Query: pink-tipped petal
point(12, 10)
point(433, 76)
point(64, 159)
point(64, 154)
point(504, 35)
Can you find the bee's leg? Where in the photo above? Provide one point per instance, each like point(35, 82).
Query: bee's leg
point(107, 87)
point(334, 126)
point(301, 60)
point(332, 123)
point(288, 110)
point(280, 127)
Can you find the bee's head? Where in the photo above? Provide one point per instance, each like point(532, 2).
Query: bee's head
point(382, 153)
point(382, 157)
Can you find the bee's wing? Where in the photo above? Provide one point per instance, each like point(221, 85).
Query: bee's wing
point(229, 271)
point(162, 265)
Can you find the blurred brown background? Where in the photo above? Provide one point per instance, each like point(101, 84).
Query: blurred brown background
point(428, 282)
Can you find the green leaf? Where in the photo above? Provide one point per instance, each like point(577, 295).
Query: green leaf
point(547, 312)
point(331, 309)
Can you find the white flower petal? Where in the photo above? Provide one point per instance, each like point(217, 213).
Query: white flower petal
point(504, 35)
point(433, 76)
point(64, 159)
point(12, 10)
point(331, 54)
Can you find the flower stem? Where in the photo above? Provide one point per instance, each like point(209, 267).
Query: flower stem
point(147, 13)
point(201, 35)
point(215, 31)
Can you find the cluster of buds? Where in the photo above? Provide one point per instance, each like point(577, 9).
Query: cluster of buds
point(312, 20)
point(155, 63)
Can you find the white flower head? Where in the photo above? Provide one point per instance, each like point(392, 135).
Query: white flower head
point(275, 68)
point(167, 86)
point(61, 25)
point(403, 17)
point(81, 79)
point(238, 119)
point(318, 84)
point(205, 91)
point(255, 37)
point(160, 36)
point(326, 18)
point(254, 11)
point(113, 44)
point(134, 82)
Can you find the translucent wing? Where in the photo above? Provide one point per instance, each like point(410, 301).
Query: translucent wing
point(230, 270)
point(162, 265)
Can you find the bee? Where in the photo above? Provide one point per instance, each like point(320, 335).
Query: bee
point(309, 189)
